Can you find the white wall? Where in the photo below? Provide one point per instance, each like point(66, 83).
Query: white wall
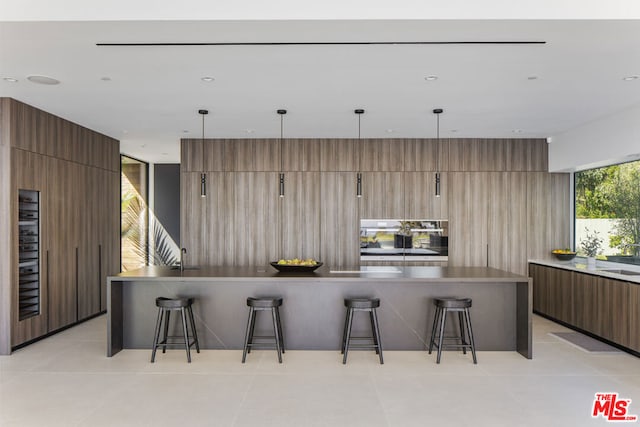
point(612, 139)
point(62, 10)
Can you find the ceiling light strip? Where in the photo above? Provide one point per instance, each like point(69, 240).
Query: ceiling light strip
point(463, 42)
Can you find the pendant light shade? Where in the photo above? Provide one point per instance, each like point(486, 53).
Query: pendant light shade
point(203, 176)
point(281, 185)
point(437, 112)
point(359, 112)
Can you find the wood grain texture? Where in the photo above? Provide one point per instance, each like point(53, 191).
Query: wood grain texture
point(300, 222)
point(634, 317)
point(255, 155)
point(380, 155)
point(301, 155)
point(338, 155)
point(23, 126)
point(257, 215)
point(548, 214)
point(339, 220)
point(507, 221)
point(423, 155)
point(7, 216)
point(419, 195)
point(467, 199)
point(540, 279)
point(220, 220)
point(214, 155)
point(382, 195)
point(191, 155)
point(194, 219)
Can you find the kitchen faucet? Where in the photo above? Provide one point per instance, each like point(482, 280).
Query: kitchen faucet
point(183, 252)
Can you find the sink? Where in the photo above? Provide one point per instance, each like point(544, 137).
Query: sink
point(624, 272)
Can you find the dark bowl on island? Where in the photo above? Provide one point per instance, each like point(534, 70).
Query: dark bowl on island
point(564, 256)
point(288, 268)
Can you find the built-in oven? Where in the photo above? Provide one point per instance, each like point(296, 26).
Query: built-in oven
point(404, 240)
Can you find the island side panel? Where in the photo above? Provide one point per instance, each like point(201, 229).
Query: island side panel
point(524, 318)
point(115, 323)
point(313, 311)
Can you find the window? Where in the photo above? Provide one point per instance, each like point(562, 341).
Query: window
point(607, 211)
point(134, 214)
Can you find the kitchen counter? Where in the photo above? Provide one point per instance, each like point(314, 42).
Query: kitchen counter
point(313, 310)
point(601, 269)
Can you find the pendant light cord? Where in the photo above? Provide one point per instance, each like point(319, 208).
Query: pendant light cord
point(281, 142)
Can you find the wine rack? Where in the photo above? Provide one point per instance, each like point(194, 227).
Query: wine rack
point(28, 253)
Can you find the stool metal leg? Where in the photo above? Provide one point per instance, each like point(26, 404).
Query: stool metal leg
point(443, 321)
point(344, 331)
point(248, 334)
point(373, 329)
point(276, 333)
point(347, 335)
point(183, 316)
point(463, 341)
point(376, 334)
point(436, 315)
point(156, 335)
point(167, 316)
point(280, 329)
point(473, 344)
point(193, 329)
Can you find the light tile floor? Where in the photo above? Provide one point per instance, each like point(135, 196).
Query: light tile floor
point(66, 380)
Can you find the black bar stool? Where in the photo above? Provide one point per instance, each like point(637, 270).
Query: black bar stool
point(264, 304)
point(165, 307)
point(444, 306)
point(367, 305)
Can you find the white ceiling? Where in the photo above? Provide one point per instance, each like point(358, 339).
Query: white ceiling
point(154, 93)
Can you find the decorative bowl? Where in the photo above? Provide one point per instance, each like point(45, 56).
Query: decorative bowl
point(564, 256)
point(288, 268)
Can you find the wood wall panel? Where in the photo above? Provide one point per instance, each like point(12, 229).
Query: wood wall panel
point(338, 155)
point(634, 316)
point(214, 155)
point(194, 222)
point(419, 195)
point(6, 228)
point(301, 211)
point(467, 197)
point(423, 155)
point(259, 155)
point(24, 126)
point(339, 220)
point(191, 155)
point(548, 217)
point(301, 155)
point(257, 211)
point(220, 219)
point(382, 195)
point(379, 155)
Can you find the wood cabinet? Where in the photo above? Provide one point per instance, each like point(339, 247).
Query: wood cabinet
point(426, 155)
point(383, 195)
point(301, 211)
point(339, 220)
point(382, 155)
point(420, 197)
point(605, 307)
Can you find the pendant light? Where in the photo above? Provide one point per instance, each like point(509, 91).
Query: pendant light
point(282, 113)
point(359, 113)
point(437, 112)
point(203, 176)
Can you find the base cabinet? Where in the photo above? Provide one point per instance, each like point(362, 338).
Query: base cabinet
point(607, 308)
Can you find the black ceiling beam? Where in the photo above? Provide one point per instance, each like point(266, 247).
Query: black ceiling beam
point(524, 42)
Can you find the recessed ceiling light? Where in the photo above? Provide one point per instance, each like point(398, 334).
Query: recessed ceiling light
point(389, 130)
point(10, 80)
point(630, 78)
point(43, 80)
point(454, 130)
point(207, 79)
point(105, 79)
point(517, 131)
point(165, 154)
point(125, 131)
point(431, 78)
point(249, 130)
point(185, 131)
point(532, 78)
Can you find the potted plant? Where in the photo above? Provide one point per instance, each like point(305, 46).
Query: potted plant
point(591, 245)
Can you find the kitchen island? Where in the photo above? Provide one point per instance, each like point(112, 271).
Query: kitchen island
point(313, 311)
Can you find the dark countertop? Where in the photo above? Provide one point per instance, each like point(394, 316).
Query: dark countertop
point(324, 273)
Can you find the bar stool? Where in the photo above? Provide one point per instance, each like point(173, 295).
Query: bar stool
point(367, 305)
point(264, 304)
point(165, 307)
point(444, 306)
